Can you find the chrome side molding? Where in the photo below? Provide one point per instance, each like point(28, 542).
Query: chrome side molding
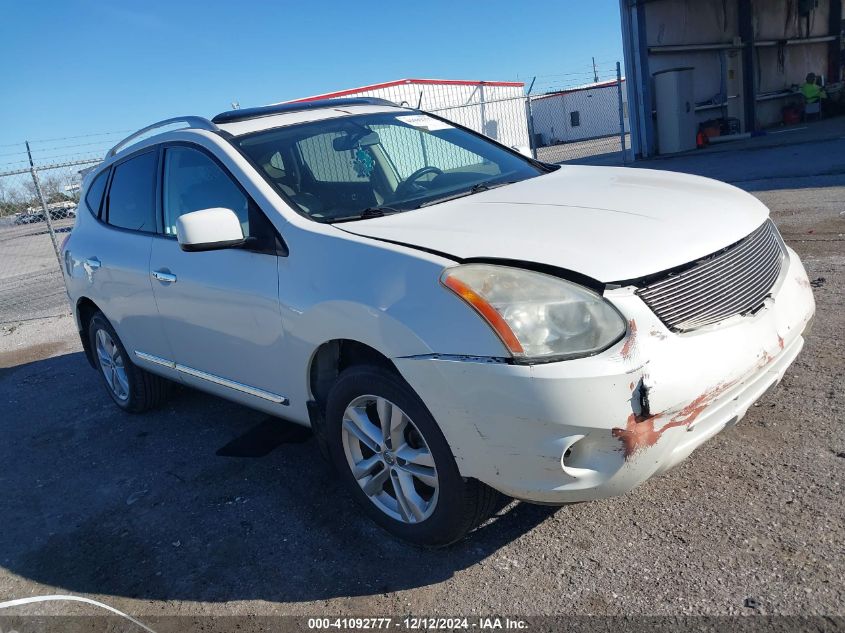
point(155, 359)
point(231, 384)
point(213, 378)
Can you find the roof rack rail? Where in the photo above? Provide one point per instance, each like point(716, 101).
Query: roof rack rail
point(296, 106)
point(196, 122)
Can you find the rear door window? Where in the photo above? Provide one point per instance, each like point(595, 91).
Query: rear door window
point(131, 199)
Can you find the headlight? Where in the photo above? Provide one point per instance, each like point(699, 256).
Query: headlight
point(537, 316)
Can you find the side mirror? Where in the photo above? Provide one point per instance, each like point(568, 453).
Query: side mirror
point(209, 230)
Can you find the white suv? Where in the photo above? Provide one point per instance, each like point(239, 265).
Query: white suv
point(452, 318)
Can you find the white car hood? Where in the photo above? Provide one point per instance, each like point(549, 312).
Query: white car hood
point(608, 223)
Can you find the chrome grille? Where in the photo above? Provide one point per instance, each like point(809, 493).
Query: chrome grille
point(734, 281)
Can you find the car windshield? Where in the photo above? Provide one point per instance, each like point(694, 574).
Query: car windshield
point(364, 166)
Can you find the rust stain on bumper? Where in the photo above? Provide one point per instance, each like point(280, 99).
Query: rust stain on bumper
point(642, 432)
point(628, 347)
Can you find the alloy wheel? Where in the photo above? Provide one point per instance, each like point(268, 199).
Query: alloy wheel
point(112, 365)
point(390, 459)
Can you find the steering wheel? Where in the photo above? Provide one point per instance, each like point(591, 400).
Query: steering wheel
point(410, 181)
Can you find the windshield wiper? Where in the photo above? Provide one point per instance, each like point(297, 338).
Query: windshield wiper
point(367, 214)
point(476, 188)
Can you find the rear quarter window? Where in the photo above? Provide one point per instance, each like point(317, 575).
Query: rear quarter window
point(94, 197)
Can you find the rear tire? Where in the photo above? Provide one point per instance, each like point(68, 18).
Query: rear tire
point(408, 481)
point(130, 387)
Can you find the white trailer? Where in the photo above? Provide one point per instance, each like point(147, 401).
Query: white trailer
point(577, 114)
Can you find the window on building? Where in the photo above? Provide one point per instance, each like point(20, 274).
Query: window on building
point(575, 118)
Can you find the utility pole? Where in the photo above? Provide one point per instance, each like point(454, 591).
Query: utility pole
point(595, 72)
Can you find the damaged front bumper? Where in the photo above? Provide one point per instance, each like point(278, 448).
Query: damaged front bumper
point(596, 427)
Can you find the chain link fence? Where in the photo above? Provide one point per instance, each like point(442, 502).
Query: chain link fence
point(504, 120)
point(494, 108)
point(582, 124)
point(40, 181)
point(38, 203)
point(584, 121)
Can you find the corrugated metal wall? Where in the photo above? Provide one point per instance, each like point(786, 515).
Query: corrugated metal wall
point(649, 28)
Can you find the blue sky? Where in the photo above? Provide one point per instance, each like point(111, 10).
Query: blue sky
point(80, 67)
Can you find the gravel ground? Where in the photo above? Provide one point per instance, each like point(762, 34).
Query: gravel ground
point(605, 148)
point(141, 512)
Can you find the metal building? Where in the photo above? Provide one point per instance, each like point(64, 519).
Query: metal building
point(747, 58)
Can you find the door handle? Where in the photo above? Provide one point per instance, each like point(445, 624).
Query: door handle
point(164, 277)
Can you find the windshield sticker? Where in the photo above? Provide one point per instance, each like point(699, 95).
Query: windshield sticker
point(363, 163)
point(425, 122)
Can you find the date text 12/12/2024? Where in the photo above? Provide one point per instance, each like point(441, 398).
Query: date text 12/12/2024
point(418, 623)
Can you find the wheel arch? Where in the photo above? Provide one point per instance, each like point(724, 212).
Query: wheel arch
point(333, 356)
point(85, 310)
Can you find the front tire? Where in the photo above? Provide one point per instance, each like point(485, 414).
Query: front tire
point(130, 387)
point(396, 463)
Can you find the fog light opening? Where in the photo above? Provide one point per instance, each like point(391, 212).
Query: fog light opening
point(569, 458)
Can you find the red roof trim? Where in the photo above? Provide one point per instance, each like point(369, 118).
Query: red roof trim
point(400, 82)
point(603, 84)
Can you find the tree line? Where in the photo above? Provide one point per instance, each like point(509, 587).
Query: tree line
point(19, 196)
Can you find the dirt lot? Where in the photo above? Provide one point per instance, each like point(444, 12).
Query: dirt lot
point(143, 514)
point(605, 149)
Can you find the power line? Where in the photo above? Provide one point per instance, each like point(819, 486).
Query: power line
point(80, 155)
point(98, 146)
point(100, 143)
point(69, 138)
point(572, 83)
point(583, 73)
